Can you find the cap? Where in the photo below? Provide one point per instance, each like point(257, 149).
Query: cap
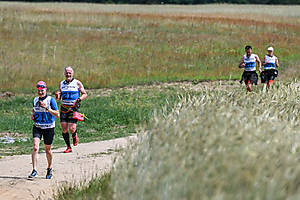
point(248, 47)
point(270, 49)
point(41, 85)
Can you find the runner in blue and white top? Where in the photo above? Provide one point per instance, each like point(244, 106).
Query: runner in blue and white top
point(249, 62)
point(44, 112)
point(71, 92)
point(42, 117)
point(270, 63)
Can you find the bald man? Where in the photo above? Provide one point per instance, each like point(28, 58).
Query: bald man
point(71, 92)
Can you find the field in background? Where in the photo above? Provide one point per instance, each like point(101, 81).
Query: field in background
point(117, 45)
point(218, 144)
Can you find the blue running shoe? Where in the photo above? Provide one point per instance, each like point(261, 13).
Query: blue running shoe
point(49, 173)
point(33, 174)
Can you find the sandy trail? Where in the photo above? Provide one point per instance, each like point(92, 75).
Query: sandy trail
point(85, 160)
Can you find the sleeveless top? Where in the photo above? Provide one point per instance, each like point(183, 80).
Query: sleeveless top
point(69, 92)
point(42, 118)
point(250, 62)
point(270, 62)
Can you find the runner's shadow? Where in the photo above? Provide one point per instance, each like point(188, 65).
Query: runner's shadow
point(20, 177)
point(14, 177)
point(57, 152)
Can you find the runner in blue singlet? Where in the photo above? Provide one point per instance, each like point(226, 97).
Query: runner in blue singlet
point(69, 91)
point(44, 112)
point(249, 62)
point(270, 63)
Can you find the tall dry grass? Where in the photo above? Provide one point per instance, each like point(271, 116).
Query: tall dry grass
point(217, 145)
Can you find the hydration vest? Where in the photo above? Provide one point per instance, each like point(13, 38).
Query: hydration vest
point(270, 62)
point(250, 62)
point(69, 92)
point(42, 118)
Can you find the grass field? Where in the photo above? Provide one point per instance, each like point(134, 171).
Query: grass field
point(114, 45)
point(210, 144)
point(113, 115)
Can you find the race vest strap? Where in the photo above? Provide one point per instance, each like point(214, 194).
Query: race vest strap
point(69, 91)
point(42, 118)
point(270, 62)
point(250, 62)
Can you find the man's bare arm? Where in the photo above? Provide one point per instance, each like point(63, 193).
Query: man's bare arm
point(55, 113)
point(277, 63)
point(82, 90)
point(58, 93)
point(259, 63)
point(242, 64)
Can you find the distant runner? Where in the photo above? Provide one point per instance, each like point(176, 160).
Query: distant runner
point(270, 73)
point(69, 91)
point(248, 62)
point(44, 112)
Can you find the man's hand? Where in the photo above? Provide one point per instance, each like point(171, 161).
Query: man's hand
point(58, 95)
point(242, 65)
point(77, 103)
point(32, 117)
point(43, 105)
point(260, 70)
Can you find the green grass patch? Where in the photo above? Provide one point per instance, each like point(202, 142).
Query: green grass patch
point(112, 116)
point(87, 191)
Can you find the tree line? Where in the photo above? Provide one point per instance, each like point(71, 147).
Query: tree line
point(284, 2)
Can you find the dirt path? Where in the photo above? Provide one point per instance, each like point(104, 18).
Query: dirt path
point(86, 160)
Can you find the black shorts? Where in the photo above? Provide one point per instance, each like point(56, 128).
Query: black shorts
point(48, 134)
point(66, 115)
point(268, 74)
point(250, 76)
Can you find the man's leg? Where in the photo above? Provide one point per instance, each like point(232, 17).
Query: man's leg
point(73, 131)
point(249, 86)
point(35, 151)
point(48, 139)
point(48, 155)
point(49, 159)
point(64, 127)
point(270, 83)
point(264, 89)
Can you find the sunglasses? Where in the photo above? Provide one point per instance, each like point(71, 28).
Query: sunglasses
point(40, 86)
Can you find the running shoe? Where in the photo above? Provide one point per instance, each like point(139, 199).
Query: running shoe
point(68, 150)
point(33, 174)
point(75, 140)
point(49, 173)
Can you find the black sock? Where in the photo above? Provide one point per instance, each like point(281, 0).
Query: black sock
point(74, 134)
point(67, 139)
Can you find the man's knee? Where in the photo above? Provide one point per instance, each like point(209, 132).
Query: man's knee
point(35, 148)
point(72, 128)
point(64, 130)
point(48, 150)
